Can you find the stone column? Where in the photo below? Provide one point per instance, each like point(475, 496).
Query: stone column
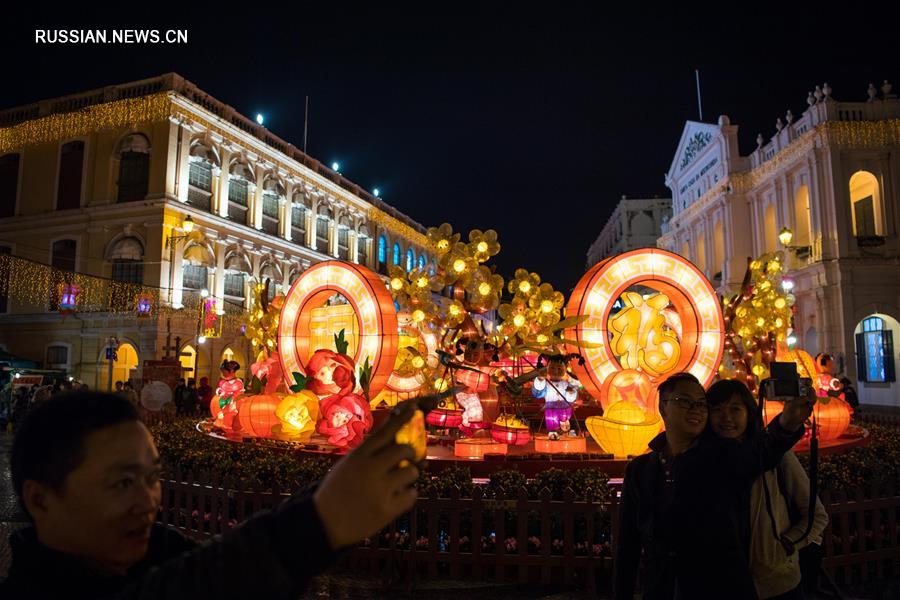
point(254, 213)
point(177, 268)
point(286, 211)
point(223, 183)
point(310, 215)
point(352, 242)
point(219, 285)
point(184, 167)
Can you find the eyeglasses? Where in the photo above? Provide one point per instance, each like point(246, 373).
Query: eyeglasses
point(685, 403)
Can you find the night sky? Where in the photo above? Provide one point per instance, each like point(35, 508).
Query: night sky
point(533, 123)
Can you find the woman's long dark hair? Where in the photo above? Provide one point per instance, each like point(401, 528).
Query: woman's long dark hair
point(722, 391)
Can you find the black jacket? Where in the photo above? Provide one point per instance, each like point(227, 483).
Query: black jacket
point(695, 528)
point(272, 555)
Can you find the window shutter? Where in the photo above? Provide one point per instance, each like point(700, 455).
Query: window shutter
point(861, 373)
point(887, 337)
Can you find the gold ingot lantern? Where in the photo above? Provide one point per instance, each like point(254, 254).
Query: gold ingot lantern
point(624, 429)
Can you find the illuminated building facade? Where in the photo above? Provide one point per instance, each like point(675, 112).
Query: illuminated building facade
point(635, 223)
point(101, 184)
point(832, 178)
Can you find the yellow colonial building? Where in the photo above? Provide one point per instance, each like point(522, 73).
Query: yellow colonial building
point(139, 203)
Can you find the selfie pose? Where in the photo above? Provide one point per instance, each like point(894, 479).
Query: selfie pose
point(779, 499)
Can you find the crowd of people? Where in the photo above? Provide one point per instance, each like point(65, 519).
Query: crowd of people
point(717, 509)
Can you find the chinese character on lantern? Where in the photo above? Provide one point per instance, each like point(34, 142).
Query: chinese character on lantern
point(639, 337)
point(68, 298)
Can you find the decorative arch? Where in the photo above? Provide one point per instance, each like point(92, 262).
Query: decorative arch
point(203, 149)
point(371, 302)
point(135, 141)
point(702, 324)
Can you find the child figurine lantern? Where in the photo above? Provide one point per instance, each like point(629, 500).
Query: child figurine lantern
point(223, 406)
point(559, 391)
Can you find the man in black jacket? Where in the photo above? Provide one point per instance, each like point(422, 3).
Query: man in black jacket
point(684, 505)
point(87, 472)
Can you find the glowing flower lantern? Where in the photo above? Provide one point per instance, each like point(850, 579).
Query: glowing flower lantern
point(509, 429)
point(68, 298)
point(344, 420)
point(624, 429)
point(143, 305)
point(477, 448)
point(256, 414)
point(297, 414)
point(413, 433)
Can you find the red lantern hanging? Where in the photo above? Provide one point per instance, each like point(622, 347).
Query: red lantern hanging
point(445, 418)
point(68, 298)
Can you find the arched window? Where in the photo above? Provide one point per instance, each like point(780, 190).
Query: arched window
point(322, 223)
point(362, 245)
point(802, 234)
point(134, 168)
point(235, 275)
point(271, 195)
point(865, 202)
point(71, 167)
point(344, 239)
point(200, 172)
point(382, 252)
point(9, 184)
point(127, 256)
point(188, 358)
point(410, 259)
point(299, 210)
point(239, 192)
point(875, 349)
point(269, 272)
point(642, 225)
point(125, 363)
point(433, 268)
point(422, 261)
point(195, 263)
point(770, 229)
point(718, 249)
point(63, 259)
point(396, 259)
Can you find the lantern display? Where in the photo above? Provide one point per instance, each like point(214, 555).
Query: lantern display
point(413, 433)
point(445, 418)
point(229, 390)
point(297, 413)
point(832, 418)
point(257, 414)
point(477, 448)
point(544, 444)
point(511, 430)
point(210, 319)
point(330, 373)
point(624, 429)
point(476, 380)
point(631, 386)
point(559, 392)
point(377, 341)
point(688, 293)
point(473, 427)
point(143, 305)
point(68, 298)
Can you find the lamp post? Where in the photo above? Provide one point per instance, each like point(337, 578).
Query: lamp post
point(785, 236)
point(187, 225)
point(112, 346)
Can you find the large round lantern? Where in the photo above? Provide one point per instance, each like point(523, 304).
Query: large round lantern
point(257, 414)
point(371, 302)
point(690, 294)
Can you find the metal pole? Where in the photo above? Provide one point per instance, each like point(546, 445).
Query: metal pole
point(699, 103)
point(305, 123)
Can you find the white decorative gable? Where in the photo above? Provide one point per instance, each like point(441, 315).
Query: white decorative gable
point(698, 164)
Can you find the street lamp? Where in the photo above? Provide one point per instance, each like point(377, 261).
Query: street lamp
point(187, 225)
point(785, 236)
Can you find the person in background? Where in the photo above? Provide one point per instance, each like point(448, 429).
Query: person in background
point(130, 395)
point(684, 505)
point(204, 396)
point(851, 396)
point(119, 387)
point(178, 395)
point(189, 400)
point(775, 537)
point(87, 472)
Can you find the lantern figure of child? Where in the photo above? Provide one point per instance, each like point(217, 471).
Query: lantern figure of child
point(223, 406)
point(559, 390)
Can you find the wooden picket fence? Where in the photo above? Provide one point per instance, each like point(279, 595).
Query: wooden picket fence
point(511, 537)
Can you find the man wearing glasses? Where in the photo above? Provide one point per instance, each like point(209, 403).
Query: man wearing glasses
point(684, 503)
